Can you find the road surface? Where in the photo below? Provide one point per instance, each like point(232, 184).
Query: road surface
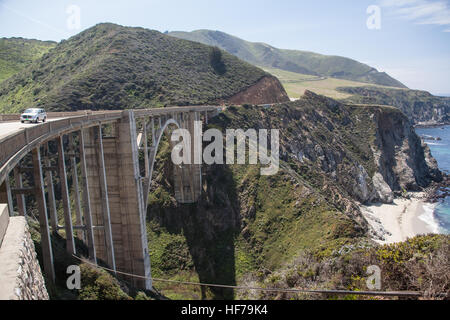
point(7, 128)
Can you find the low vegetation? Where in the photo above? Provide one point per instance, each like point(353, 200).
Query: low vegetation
point(420, 264)
point(16, 54)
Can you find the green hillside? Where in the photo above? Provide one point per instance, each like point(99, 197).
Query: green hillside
point(303, 62)
point(114, 67)
point(18, 53)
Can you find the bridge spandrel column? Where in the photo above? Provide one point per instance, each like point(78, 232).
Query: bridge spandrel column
point(75, 187)
point(20, 198)
point(51, 196)
point(87, 209)
point(131, 211)
point(70, 241)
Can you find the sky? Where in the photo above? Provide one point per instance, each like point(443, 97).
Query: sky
point(408, 39)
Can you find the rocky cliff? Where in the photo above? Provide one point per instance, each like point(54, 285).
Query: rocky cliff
point(267, 90)
point(420, 107)
point(403, 162)
point(333, 156)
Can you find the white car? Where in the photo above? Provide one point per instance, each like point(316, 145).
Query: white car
point(33, 115)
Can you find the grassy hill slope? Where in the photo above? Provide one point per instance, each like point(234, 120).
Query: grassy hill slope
point(114, 67)
point(296, 84)
point(303, 62)
point(18, 53)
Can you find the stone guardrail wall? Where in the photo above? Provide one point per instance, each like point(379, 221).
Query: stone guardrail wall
point(20, 274)
point(4, 221)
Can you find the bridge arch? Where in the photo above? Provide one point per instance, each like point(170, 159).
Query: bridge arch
point(159, 135)
point(187, 178)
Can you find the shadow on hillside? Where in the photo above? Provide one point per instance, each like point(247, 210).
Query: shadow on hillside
point(210, 228)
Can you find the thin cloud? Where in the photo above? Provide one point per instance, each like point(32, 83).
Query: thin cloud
point(429, 12)
point(20, 14)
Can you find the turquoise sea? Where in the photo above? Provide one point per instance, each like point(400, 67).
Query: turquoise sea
point(441, 152)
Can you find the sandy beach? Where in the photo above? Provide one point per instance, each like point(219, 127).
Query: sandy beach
point(405, 218)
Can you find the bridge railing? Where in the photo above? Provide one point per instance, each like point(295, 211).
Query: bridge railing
point(50, 115)
point(138, 112)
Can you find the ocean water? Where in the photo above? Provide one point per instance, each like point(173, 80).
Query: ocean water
point(441, 152)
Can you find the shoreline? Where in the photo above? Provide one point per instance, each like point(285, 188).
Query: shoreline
point(430, 125)
point(405, 218)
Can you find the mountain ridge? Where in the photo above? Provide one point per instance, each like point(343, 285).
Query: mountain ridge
point(113, 67)
point(305, 62)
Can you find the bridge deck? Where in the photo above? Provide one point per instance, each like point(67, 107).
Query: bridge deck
point(11, 127)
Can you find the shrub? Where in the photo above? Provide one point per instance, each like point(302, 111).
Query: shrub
point(215, 58)
point(99, 285)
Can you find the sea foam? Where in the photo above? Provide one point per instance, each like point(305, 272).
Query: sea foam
point(429, 218)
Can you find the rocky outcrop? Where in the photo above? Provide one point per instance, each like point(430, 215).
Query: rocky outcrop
point(20, 274)
point(402, 160)
point(421, 107)
point(384, 192)
point(267, 90)
point(372, 152)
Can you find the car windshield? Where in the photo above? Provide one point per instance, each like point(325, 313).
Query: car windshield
point(31, 111)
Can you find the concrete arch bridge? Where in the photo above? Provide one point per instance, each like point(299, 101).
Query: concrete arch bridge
point(109, 186)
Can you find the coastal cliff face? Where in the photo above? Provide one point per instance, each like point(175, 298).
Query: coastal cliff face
point(370, 152)
point(333, 156)
point(402, 160)
point(420, 107)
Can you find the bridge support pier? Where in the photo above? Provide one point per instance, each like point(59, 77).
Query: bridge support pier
point(130, 213)
point(47, 253)
point(98, 194)
point(188, 178)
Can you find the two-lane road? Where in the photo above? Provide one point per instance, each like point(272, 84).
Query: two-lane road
point(8, 128)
